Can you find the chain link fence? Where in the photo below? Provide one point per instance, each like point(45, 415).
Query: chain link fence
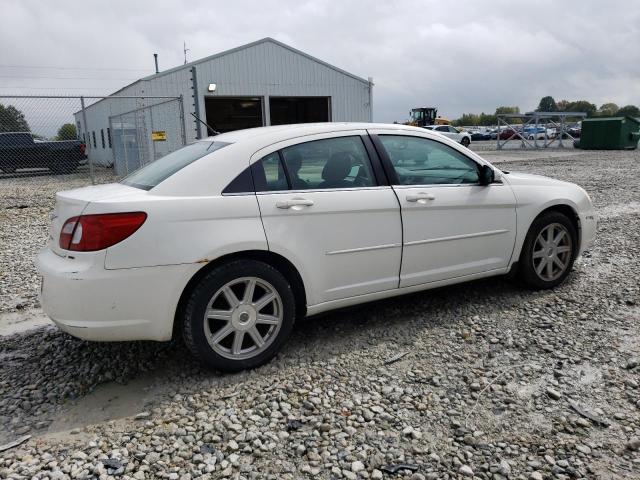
point(54, 143)
point(91, 138)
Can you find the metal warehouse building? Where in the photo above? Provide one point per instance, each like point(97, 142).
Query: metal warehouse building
point(262, 83)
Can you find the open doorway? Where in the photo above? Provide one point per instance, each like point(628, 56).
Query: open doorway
point(286, 110)
point(226, 114)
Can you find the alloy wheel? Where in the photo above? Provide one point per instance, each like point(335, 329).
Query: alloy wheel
point(552, 252)
point(243, 318)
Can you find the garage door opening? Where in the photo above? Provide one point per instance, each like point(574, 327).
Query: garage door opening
point(285, 110)
point(226, 114)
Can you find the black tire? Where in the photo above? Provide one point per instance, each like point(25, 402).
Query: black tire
point(193, 327)
point(465, 141)
point(526, 267)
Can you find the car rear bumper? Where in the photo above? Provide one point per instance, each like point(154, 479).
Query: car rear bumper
point(89, 302)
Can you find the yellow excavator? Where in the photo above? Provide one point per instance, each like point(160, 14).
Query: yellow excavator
point(424, 116)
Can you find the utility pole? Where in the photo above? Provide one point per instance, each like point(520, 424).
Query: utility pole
point(184, 46)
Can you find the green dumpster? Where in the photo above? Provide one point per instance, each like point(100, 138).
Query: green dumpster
point(610, 133)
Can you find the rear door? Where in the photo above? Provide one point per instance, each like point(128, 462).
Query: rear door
point(452, 225)
point(326, 207)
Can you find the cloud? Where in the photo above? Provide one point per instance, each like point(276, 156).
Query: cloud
point(463, 56)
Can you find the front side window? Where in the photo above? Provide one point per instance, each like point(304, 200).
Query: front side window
point(420, 161)
point(152, 174)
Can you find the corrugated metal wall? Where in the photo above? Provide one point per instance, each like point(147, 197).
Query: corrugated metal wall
point(262, 69)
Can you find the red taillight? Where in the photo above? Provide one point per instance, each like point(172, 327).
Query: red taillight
point(83, 147)
point(88, 233)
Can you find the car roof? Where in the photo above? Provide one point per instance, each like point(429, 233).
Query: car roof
point(197, 178)
point(284, 132)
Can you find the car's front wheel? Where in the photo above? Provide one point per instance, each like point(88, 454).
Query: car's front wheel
point(239, 315)
point(465, 141)
point(549, 251)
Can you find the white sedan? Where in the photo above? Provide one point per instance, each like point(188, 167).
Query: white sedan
point(230, 239)
point(453, 133)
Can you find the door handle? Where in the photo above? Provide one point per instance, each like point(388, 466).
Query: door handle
point(420, 197)
point(294, 202)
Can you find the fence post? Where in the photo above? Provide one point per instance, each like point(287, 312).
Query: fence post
point(182, 126)
point(153, 143)
point(88, 142)
point(112, 143)
point(196, 101)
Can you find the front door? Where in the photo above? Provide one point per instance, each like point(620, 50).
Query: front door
point(324, 208)
point(452, 226)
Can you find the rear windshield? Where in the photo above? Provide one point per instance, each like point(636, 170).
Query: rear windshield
point(151, 175)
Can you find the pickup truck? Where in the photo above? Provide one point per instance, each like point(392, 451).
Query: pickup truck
point(21, 150)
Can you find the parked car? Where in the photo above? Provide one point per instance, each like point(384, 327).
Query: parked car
point(451, 132)
point(539, 133)
point(227, 241)
point(509, 133)
point(478, 135)
point(21, 150)
point(574, 131)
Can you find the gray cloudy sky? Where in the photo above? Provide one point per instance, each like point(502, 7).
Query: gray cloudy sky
point(461, 56)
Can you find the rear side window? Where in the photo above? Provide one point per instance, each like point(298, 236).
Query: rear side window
point(340, 162)
point(268, 174)
point(15, 139)
point(152, 174)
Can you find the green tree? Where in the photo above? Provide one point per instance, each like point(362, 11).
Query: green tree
point(12, 120)
point(67, 132)
point(509, 110)
point(503, 110)
point(487, 119)
point(547, 104)
point(630, 110)
point(562, 105)
point(475, 120)
point(608, 109)
point(582, 106)
point(467, 119)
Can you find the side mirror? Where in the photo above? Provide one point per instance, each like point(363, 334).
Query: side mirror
point(487, 175)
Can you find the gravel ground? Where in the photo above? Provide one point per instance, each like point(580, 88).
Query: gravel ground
point(25, 203)
point(497, 382)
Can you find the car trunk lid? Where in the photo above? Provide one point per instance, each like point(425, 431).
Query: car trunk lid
point(71, 203)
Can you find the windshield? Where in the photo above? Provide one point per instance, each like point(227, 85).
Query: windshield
point(152, 174)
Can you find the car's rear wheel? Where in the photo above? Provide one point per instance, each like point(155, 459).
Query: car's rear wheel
point(239, 315)
point(549, 251)
point(465, 141)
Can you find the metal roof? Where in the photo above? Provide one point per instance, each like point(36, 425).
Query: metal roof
point(236, 49)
